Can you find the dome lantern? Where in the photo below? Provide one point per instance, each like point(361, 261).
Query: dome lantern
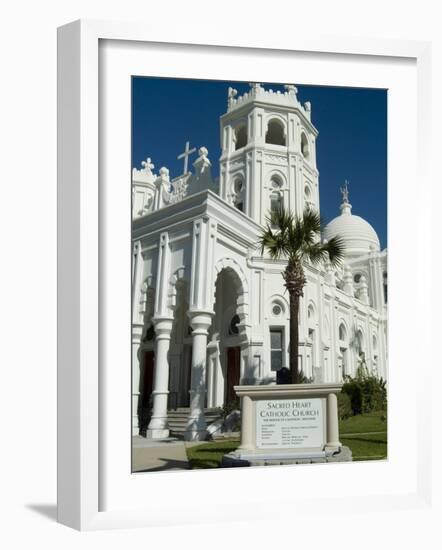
point(358, 235)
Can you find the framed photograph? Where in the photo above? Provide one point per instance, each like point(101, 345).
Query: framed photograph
point(216, 338)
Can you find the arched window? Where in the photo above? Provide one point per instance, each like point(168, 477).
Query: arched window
point(276, 202)
point(385, 285)
point(357, 278)
point(305, 150)
point(275, 132)
point(308, 196)
point(342, 333)
point(238, 189)
point(359, 342)
point(238, 185)
point(240, 137)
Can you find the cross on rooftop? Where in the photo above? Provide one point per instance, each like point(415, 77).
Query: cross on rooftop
point(185, 155)
point(344, 191)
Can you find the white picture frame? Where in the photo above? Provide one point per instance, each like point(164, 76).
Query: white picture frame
point(82, 448)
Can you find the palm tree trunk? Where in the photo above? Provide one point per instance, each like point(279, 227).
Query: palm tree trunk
point(294, 282)
point(294, 337)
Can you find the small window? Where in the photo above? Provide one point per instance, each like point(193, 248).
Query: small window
point(240, 137)
point(275, 133)
point(276, 182)
point(233, 327)
point(304, 146)
point(275, 349)
point(276, 310)
point(357, 278)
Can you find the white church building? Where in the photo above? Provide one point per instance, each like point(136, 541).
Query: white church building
point(209, 311)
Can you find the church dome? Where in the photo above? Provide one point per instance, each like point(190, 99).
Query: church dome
point(358, 235)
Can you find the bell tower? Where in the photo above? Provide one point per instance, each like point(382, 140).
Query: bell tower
point(268, 155)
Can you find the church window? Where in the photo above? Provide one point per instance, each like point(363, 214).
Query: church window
point(308, 196)
point(304, 146)
point(342, 333)
point(359, 342)
point(233, 327)
point(276, 204)
point(357, 278)
point(240, 137)
point(275, 133)
point(385, 285)
point(238, 189)
point(276, 309)
point(276, 182)
point(275, 348)
point(238, 185)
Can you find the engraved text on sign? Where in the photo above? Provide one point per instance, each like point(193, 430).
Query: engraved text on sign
point(289, 423)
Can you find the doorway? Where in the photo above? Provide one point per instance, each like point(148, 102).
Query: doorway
point(232, 373)
point(146, 390)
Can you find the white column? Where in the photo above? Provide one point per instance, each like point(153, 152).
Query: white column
point(158, 428)
point(333, 443)
point(200, 322)
point(136, 339)
point(247, 424)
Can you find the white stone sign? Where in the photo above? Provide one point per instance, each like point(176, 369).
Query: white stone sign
point(289, 423)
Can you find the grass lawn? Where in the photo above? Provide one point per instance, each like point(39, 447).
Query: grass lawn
point(365, 434)
point(209, 455)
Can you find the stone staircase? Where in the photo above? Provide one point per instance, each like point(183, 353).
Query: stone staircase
point(178, 420)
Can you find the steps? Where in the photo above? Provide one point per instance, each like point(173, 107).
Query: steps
point(178, 420)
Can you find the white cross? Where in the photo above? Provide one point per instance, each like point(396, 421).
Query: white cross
point(185, 155)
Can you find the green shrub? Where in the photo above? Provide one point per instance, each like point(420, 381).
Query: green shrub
point(344, 406)
point(367, 393)
point(229, 407)
point(303, 379)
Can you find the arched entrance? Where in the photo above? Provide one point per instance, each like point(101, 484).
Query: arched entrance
point(227, 338)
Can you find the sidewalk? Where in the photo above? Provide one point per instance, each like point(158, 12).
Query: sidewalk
point(159, 455)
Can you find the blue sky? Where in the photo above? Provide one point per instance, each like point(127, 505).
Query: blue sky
point(352, 141)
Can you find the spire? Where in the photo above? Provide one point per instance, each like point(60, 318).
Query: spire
point(345, 205)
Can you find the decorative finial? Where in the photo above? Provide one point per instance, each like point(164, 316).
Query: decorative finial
point(147, 165)
point(255, 86)
point(291, 89)
point(203, 152)
point(231, 94)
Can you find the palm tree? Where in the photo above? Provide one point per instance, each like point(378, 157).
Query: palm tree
point(298, 240)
